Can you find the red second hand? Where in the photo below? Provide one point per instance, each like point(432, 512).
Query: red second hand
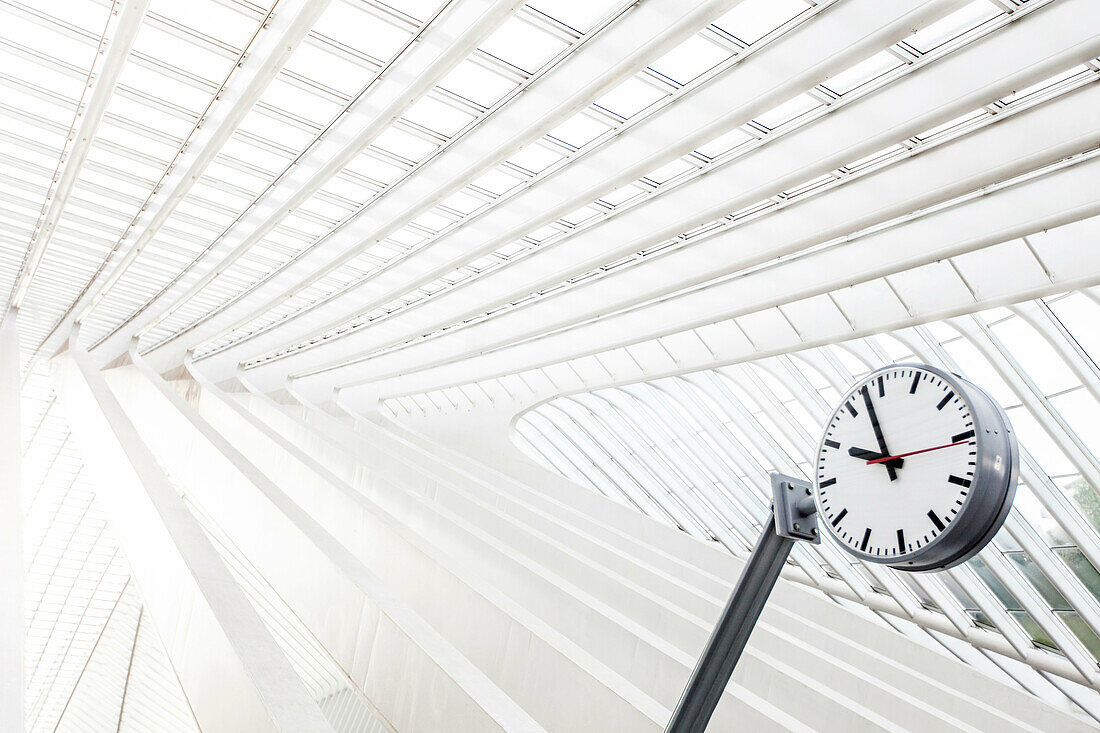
point(884, 459)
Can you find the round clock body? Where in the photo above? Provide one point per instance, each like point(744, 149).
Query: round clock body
point(917, 469)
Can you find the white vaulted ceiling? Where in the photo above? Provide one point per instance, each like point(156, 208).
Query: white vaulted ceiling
point(424, 200)
point(416, 195)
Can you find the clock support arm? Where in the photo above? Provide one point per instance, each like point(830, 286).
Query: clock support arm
point(793, 518)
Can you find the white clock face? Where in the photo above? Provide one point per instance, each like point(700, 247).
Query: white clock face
point(896, 463)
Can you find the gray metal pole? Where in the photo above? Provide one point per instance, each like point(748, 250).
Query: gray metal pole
point(724, 648)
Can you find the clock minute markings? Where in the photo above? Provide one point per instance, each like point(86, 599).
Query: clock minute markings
point(945, 400)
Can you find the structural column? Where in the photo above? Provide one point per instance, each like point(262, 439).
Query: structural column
point(235, 675)
point(11, 532)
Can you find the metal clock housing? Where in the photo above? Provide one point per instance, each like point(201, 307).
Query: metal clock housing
point(916, 469)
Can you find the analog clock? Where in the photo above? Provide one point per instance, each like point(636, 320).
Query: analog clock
point(917, 469)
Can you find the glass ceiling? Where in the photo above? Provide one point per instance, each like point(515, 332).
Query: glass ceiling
point(164, 175)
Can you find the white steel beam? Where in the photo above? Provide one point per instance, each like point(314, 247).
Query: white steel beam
point(1027, 51)
point(199, 608)
point(428, 648)
point(837, 38)
point(11, 530)
point(530, 274)
point(864, 298)
point(700, 297)
point(283, 31)
point(961, 167)
point(610, 56)
point(453, 35)
point(125, 33)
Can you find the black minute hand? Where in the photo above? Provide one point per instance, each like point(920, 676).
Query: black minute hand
point(890, 468)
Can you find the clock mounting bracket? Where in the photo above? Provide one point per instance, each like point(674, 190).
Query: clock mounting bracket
point(794, 508)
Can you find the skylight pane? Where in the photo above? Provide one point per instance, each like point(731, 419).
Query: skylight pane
point(751, 20)
point(437, 116)
point(361, 30)
point(522, 45)
point(403, 144)
point(535, 158)
point(171, 49)
point(863, 72)
point(691, 58)
point(579, 130)
point(577, 14)
point(476, 83)
point(214, 19)
point(630, 97)
point(953, 25)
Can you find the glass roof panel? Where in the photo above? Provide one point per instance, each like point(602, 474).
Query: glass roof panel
point(535, 158)
point(357, 27)
point(577, 14)
point(751, 20)
point(324, 63)
point(579, 130)
point(205, 61)
point(437, 116)
point(69, 45)
point(631, 97)
point(229, 23)
point(690, 59)
point(523, 45)
point(477, 83)
point(953, 25)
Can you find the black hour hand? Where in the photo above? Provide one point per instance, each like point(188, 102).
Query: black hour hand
point(870, 455)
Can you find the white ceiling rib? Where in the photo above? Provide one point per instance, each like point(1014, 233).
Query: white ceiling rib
point(724, 255)
point(436, 52)
point(451, 202)
point(568, 258)
point(902, 101)
point(125, 31)
point(545, 102)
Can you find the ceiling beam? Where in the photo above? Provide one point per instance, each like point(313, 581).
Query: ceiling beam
point(605, 59)
point(859, 299)
point(1023, 53)
point(430, 55)
point(962, 167)
point(126, 31)
point(277, 40)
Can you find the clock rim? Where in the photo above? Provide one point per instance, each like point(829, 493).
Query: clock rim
point(927, 558)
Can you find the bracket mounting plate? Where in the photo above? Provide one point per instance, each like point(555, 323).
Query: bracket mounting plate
point(794, 508)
